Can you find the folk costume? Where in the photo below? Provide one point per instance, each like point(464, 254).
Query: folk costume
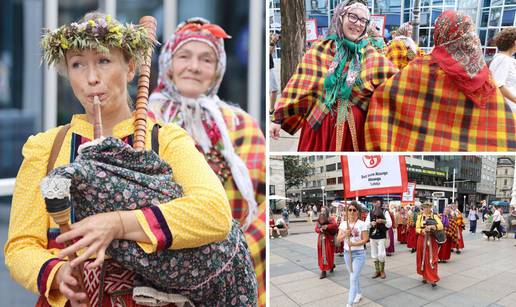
point(427, 248)
point(376, 39)
point(389, 249)
point(192, 190)
point(326, 228)
point(401, 221)
point(444, 101)
point(411, 229)
point(450, 229)
point(377, 236)
point(328, 95)
point(229, 138)
point(460, 227)
point(402, 49)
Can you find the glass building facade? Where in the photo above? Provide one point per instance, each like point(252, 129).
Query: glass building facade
point(490, 16)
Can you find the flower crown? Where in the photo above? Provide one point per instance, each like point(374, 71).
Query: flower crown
point(99, 33)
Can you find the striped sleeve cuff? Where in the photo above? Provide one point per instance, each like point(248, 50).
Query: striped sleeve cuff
point(45, 278)
point(156, 228)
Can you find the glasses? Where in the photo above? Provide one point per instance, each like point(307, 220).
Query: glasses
point(352, 210)
point(354, 19)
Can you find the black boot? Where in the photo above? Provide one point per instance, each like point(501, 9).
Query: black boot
point(331, 271)
point(412, 250)
point(323, 275)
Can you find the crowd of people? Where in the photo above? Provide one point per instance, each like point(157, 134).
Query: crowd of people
point(433, 237)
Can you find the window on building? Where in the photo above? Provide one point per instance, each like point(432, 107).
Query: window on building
point(331, 167)
point(340, 180)
point(339, 165)
point(272, 189)
point(331, 181)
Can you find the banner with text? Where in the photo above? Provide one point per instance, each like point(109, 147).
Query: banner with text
point(373, 175)
point(311, 30)
point(408, 195)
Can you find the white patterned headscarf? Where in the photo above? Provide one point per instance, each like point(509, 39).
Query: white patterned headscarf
point(192, 110)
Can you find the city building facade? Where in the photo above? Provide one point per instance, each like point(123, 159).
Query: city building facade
point(504, 178)
point(276, 182)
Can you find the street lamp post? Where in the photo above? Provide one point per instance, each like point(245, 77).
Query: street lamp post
point(464, 203)
point(513, 198)
point(322, 188)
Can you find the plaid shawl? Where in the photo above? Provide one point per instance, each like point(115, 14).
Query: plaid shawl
point(420, 109)
point(400, 54)
point(301, 98)
point(451, 229)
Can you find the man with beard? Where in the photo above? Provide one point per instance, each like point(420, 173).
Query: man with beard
point(378, 222)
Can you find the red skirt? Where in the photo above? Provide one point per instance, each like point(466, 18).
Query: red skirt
point(402, 233)
point(325, 138)
point(411, 237)
point(390, 249)
point(445, 250)
point(460, 244)
point(429, 270)
point(326, 252)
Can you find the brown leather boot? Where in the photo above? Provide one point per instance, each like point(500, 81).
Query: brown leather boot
point(377, 268)
point(382, 270)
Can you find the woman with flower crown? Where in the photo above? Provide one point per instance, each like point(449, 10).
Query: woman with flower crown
point(100, 56)
point(191, 67)
point(328, 95)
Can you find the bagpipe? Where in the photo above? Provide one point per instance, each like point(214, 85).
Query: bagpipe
point(108, 175)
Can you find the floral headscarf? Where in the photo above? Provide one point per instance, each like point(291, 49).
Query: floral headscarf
point(194, 29)
point(192, 113)
point(458, 52)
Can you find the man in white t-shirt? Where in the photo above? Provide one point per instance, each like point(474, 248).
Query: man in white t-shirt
point(503, 65)
point(497, 220)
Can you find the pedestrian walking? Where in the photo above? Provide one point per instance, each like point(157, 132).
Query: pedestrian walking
point(503, 65)
point(355, 235)
point(473, 217)
point(326, 228)
point(378, 222)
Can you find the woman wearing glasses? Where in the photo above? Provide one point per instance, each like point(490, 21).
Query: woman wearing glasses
point(328, 95)
point(355, 236)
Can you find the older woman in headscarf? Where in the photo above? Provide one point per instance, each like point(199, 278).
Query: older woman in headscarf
point(427, 247)
point(450, 229)
point(192, 64)
point(444, 101)
point(402, 49)
point(328, 95)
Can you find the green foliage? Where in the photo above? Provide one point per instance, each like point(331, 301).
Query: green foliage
point(296, 171)
point(100, 34)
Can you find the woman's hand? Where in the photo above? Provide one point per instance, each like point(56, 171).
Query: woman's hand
point(275, 130)
point(94, 234)
point(68, 286)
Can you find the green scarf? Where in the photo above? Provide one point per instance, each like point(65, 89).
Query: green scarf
point(377, 43)
point(336, 83)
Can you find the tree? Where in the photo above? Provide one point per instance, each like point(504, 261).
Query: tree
point(296, 171)
point(293, 37)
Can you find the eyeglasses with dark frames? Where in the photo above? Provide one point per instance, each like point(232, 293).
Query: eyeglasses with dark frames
point(354, 19)
point(352, 210)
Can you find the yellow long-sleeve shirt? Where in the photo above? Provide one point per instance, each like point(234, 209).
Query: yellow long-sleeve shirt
point(419, 222)
point(202, 216)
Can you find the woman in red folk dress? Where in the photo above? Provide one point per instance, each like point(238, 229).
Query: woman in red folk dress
point(450, 228)
point(401, 220)
point(327, 228)
point(427, 247)
point(411, 229)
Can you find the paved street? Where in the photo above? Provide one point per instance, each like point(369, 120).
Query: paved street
point(11, 293)
point(286, 142)
point(483, 275)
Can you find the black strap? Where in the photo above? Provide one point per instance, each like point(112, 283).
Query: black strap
point(155, 139)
